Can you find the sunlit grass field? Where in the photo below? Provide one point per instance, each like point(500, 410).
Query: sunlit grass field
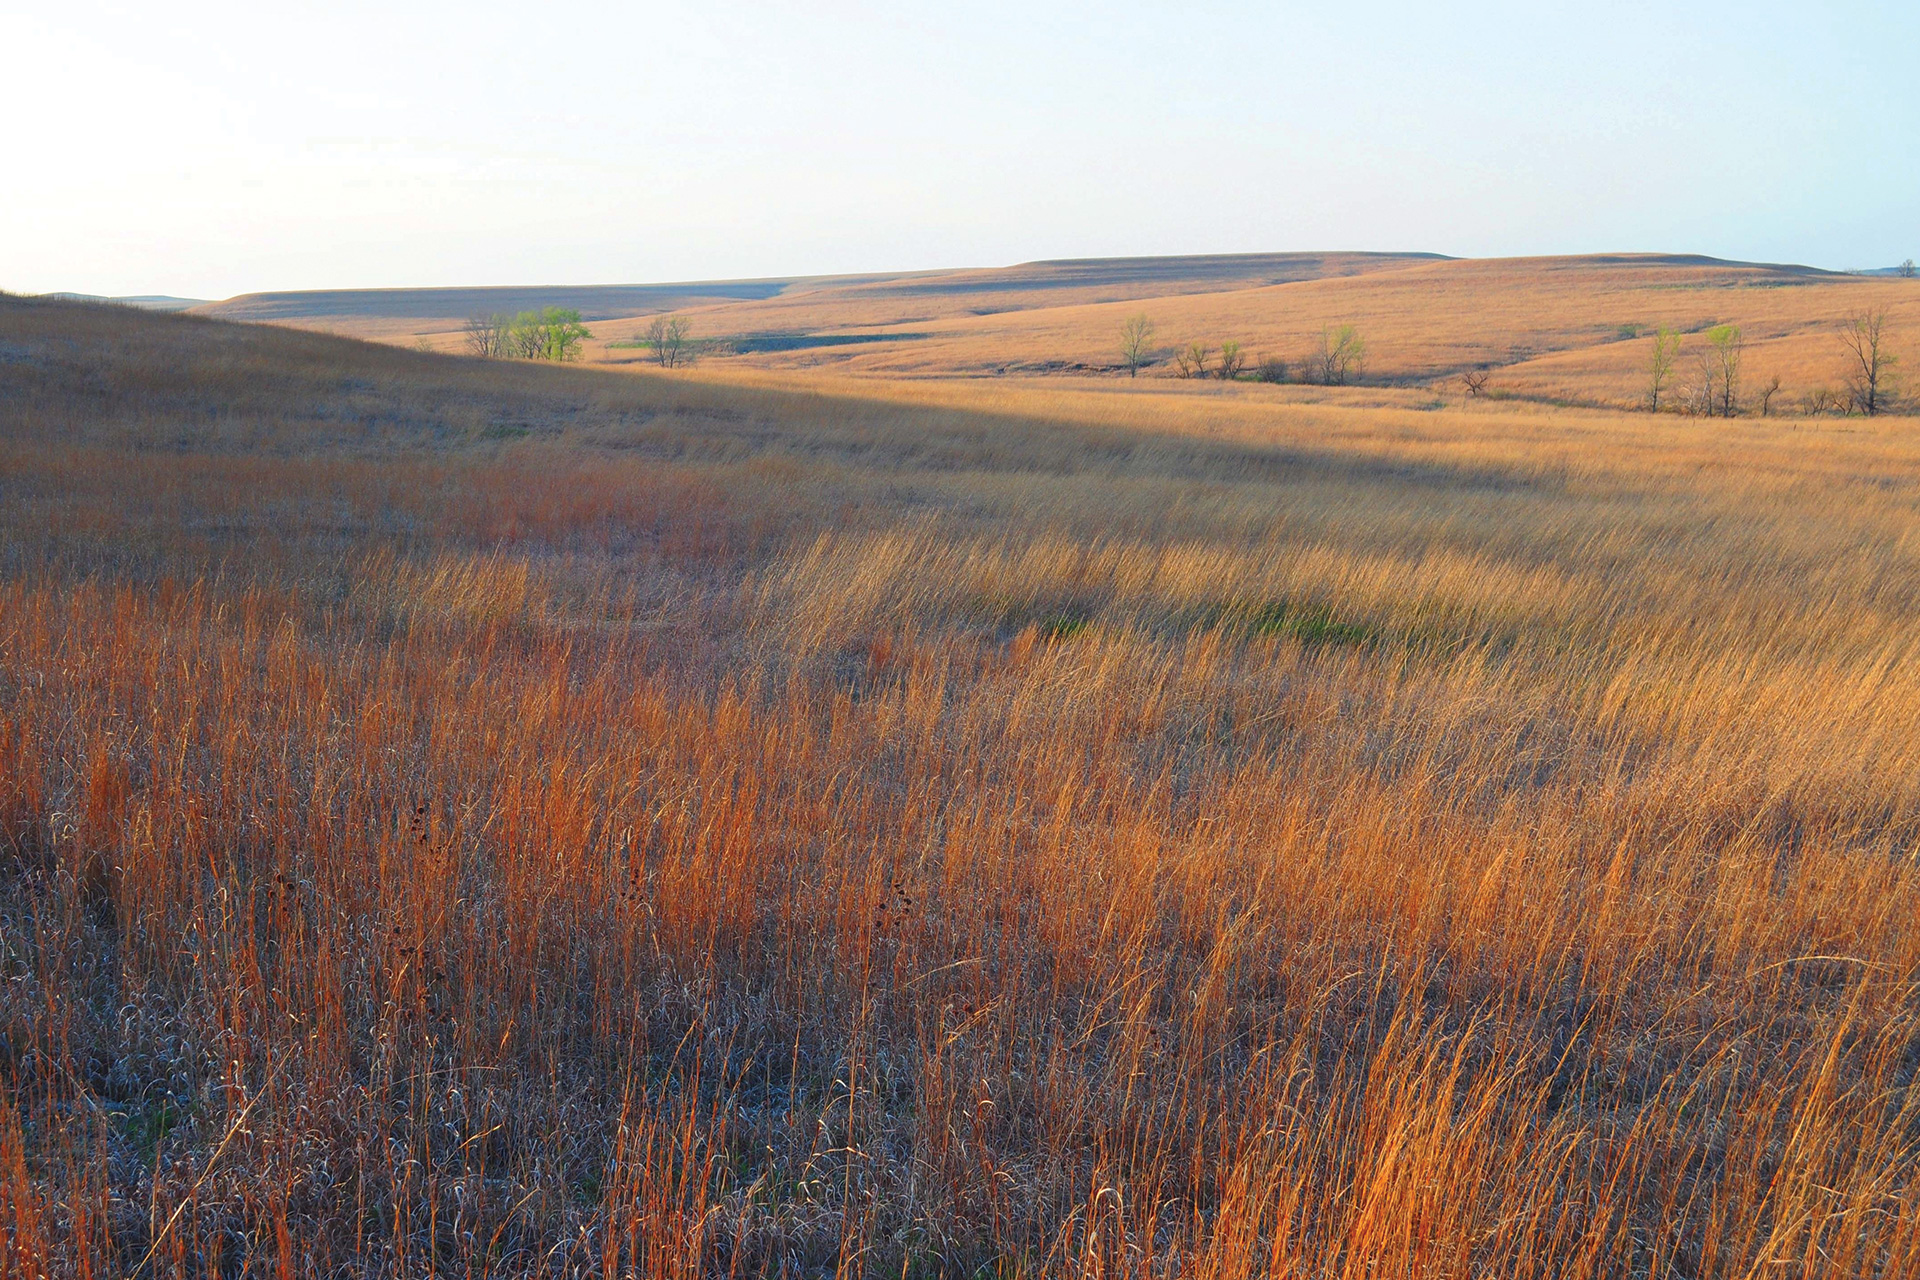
point(467, 818)
point(1547, 332)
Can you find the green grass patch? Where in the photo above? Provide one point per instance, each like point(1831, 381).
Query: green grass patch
point(1062, 626)
point(1050, 620)
point(1310, 624)
point(148, 1127)
point(748, 344)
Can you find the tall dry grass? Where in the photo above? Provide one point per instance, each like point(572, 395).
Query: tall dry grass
point(474, 820)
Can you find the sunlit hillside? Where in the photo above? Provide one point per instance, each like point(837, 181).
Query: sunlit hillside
point(1572, 331)
point(802, 305)
point(472, 818)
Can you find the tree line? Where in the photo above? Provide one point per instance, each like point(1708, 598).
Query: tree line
point(1340, 357)
point(556, 333)
point(1717, 387)
point(551, 333)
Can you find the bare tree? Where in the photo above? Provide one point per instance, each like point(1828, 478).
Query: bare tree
point(1666, 346)
point(1273, 369)
point(525, 338)
point(1136, 339)
point(1475, 380)
point(1729, 345)
point(1907, 270)
point(1341, 356)
point(1767, 393)
point(1193, 360)
point(486, 336)
point(668, 336)
point(1822, 400)
point(1698, 398)
point(1231, 361)
point(1869, 363)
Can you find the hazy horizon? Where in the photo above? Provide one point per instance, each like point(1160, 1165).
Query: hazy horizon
point(215, 149)
point(884, 273)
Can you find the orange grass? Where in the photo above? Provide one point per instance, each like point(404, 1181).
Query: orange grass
point(1568, 331)
point(463, 819)
point(1547, 328)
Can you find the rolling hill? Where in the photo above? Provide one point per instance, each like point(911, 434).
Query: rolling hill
point(1557, 330)
point(485, 817)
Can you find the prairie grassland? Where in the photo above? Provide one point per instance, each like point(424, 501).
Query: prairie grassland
point(801, 304)
point(478, 819)
point(1573, 331)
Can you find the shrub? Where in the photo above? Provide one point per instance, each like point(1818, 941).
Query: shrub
point(1232, 360)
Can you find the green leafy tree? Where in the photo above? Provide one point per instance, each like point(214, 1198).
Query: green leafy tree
point(1341, 356)
point(554, 333)
point(1232, 360)
point(1729, 347)
point(1666, 346)
point(565, 333)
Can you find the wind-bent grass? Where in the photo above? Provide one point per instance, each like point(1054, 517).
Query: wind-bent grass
point(737, 830)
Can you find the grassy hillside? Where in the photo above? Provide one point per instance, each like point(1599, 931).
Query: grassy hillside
point(486, 819)
point(1565, 331)
point(1574, 330)
point(803, 304)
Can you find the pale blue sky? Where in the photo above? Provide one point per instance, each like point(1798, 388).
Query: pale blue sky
point(207, 149)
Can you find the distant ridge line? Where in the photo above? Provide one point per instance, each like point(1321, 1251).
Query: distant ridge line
point(1042, 278)
point(144, 301)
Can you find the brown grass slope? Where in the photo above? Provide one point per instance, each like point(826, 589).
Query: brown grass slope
point(483, 819)
point(407, 312)
point(1574, 329)
point(803, 303)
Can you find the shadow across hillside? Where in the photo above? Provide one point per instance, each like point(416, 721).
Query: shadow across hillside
point(83, 373)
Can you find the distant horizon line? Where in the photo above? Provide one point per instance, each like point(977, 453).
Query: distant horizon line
point(168, 301)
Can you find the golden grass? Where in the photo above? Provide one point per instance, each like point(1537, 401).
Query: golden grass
point(1553, 331)
point(801, 304)
point(1550, 329)
point(492, 820)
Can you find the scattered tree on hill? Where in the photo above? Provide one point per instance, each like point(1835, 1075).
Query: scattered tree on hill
point(1666, 346)
point(1870, 364)
point(1767, 393)
point(669, 338)
point(1475, 380)
point(1698, 398)
point(1136, 339)
point(1728, 345)
point(1822, 400)
point(486, 335)
point(565, 333)
point(1193, 360)
point(551, 334)
point(1231, 361)
point(1341, 356)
